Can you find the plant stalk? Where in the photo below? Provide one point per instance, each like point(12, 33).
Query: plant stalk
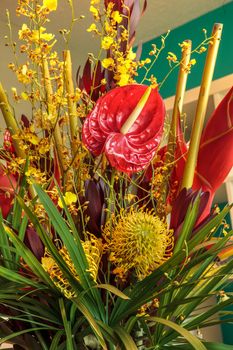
point(172, 139)
point(10, 121)
point(201, 107)
point(73, 118)
point(180, 89)
point(57, 131)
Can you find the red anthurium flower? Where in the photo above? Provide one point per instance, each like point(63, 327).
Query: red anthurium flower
point(129, 151)
point(7, 186)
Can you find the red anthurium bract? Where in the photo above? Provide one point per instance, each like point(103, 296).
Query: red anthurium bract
point(133, 151)
point(7, 186)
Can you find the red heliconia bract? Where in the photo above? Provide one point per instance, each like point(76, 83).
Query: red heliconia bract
point(8, 143)
point(8, 185)
point(133, 151)
point(215, 156)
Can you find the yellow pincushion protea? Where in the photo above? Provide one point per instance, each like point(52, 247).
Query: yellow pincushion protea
point(93, 251)
point(139, 241)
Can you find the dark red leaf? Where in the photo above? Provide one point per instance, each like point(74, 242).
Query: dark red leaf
point(33, 241)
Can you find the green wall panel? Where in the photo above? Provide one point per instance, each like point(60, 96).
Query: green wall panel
point(193, 30)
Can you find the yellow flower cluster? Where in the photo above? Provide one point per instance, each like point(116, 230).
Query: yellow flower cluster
point(93, 251)
point(113, 36)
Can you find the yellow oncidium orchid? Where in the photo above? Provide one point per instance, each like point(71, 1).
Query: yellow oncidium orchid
point(50, 4)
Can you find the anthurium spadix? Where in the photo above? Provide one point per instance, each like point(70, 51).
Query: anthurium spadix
point(127, 125)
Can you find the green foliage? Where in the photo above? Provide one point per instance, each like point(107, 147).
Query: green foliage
point(32, 306)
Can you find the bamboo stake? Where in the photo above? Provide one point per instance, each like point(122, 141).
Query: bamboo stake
point(201, 106)
point(10, 121)
point(181, 85)
point(179, 99)
point(57, 131)
point(177, 110)
point(73, 118)
point(135, 113)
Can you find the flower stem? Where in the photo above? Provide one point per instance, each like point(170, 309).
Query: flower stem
point(201, 107)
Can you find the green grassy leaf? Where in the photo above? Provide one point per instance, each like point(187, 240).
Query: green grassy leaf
point(91, 321)
point(29, 258)
point(56, 340)
point(67, 326)
point(191, 339)
point(5, 247)
point(125, 338)
point(16, 334)
point(113, 290)
point(188, 224)
point(74, 248)
point(208, 345)
point(17, 278)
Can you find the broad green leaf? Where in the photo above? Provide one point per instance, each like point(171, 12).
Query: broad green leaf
point(192, 340)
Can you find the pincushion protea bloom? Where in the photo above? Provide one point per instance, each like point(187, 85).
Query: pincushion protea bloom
point(138, 240)
point(127, 150)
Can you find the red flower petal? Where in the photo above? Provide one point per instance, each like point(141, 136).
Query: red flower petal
point(215, 157)
point(8, 143)
point(7, 186)
point(134, 150)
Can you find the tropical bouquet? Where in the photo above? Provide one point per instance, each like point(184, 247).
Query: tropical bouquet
point(107, 236)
